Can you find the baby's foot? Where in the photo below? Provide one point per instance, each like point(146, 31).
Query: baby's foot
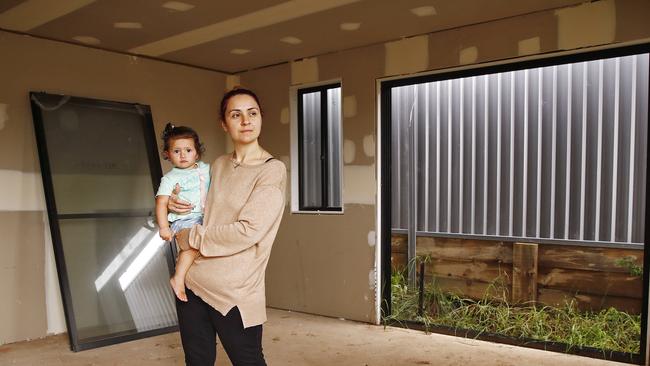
point(178, 285)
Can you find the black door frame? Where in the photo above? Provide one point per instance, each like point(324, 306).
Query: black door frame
point(385, 192)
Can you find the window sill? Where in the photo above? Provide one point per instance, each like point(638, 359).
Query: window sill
point(310, 212)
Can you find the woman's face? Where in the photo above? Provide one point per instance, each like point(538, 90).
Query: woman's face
point(243, 119)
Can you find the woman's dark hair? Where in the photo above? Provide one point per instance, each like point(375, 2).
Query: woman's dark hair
point(172, 132)
point(236, 91)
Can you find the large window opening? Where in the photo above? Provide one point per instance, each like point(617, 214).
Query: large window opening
point(517, 199)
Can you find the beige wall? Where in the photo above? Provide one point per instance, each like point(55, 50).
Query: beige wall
point(324, 264)
point(320, 264)
point(28, 307)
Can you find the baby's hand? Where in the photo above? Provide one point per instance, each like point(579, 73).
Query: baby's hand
point(166, 233)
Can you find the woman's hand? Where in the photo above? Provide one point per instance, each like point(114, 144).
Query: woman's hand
point(177, 205)
point(183, 239)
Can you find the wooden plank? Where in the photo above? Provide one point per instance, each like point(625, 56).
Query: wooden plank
point(471, 288)
point(550, 256)
point(398, 248)
point(398, 261)
point(559, 298)
point(591, 282)
point(398, 243)
point(587, 258)
point(524, 273)
point(475, 270)
point(465, 249)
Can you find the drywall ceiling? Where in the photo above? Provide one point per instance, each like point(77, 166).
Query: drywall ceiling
point(234, 36)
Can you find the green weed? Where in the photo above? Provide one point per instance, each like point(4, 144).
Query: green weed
point(608, 329)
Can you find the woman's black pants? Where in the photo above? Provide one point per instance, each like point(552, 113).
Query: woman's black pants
point(199, 323)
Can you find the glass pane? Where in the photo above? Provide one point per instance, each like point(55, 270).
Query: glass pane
point(98, 158)
point(401, 106)
point(334, 148)
point(102, 167)
point(311, 150)
point(118, 274)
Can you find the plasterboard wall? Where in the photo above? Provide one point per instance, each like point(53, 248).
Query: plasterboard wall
point(320, 264)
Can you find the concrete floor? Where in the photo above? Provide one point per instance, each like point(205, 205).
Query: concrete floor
point(300, 339)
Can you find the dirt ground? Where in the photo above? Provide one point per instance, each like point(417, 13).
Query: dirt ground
point(300, 339)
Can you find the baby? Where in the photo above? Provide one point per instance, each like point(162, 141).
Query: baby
point(181, 146)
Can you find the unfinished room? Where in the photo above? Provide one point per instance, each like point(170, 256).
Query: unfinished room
point(324, 182)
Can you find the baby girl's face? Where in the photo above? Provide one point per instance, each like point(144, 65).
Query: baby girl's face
point(182, 153)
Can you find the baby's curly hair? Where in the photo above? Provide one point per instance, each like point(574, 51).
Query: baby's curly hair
point(172, 132)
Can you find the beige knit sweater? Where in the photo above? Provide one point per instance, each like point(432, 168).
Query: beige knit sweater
point(243, 210)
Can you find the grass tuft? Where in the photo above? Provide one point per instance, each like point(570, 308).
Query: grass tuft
point(608, 329)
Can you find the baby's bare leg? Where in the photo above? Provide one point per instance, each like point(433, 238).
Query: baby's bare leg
point(185, 260)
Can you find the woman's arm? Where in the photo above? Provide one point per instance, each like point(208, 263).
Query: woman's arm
point(255, 219)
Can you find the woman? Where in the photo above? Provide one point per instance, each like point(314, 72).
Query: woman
point(244, 206)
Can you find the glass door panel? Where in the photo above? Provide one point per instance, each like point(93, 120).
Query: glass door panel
point(100, 171)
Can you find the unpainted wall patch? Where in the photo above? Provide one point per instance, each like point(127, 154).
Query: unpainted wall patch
point(349, 27)
point(304, 71)
point(468, 55)
point(177, 6)
point(359, 184)
point(291, 40)
point(284, 116)
point(587, 24)
point(26, 191)
point(349, 106)
point(232, 81)
point(424, 11)
point(529, 46)
point(407, 56)
point(372, 238)
point(369, 145)
point(87, 40)
point(349, 151)
point(127, 25)
point(240, 51)
point(4, 115)
point(372, 281)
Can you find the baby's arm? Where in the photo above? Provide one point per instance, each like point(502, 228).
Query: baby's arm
point(161, 217)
